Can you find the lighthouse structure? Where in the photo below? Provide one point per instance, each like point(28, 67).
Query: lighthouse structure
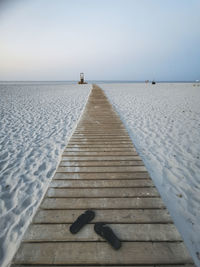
point(82, 79)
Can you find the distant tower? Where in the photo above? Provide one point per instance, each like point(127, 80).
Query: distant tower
point(82, 78)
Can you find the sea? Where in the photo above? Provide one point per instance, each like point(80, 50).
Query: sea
point(88, 81)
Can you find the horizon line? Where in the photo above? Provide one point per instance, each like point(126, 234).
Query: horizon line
point(100, 80)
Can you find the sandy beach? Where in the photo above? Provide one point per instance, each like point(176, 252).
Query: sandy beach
point(36, 122)
point(163, 121)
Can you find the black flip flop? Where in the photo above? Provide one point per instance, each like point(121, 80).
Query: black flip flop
point(107, 233)
point(82, 220)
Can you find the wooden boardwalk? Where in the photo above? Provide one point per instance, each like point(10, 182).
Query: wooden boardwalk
point(101, 170)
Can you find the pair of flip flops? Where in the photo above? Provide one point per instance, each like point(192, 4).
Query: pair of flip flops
point(100, 228)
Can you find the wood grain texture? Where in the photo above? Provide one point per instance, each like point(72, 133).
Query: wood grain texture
point(101, 183)
point(153, 216)
point(102, 192)
point(101, 252)
point(56, 265)
point(101, 158)
point(102, 203)
point(125, 232)
point(101, 163)
point(103, 169)
point(100, 153)
point(96, 176)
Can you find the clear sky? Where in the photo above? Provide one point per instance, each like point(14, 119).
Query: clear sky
point(105, 39)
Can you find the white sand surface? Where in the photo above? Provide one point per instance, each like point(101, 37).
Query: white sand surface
point(36, 120)
point(163, 121)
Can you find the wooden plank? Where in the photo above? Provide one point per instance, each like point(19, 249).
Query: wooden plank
point(182, 265)
point(100, 121)
point(88, 117)
point(100, 141)
point(102, 132)
point(110, 216)
point(103, 169)
point(102, 192)
point(102, 183)
point(99, 146)
point(92, 176)
point(106, 136)
point(83, 124)
point(96, 127)
point(103, 123)
point(100, 252)
point(99, 149)
point(102, 203)
point(38, 265)
point(92, 120)
point(100, 153)
point(100, 163)
point(98, 134)
point(97, 141)
point(99, 137)
point(101, 158)
point(125, 232)
point(101, 128)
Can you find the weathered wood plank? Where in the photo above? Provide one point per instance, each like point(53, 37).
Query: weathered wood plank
point(99, 142)
point(101, 129)
point(103, 169)
point(101, 124)
point(103, 132)
point(114, 175)
point(123, 132)
point(101, 183)
point(101, 158)
point(99, 146)
point(38, 265)
point(125, 232)
point(100, 153)
point(102, 203)
point(100, 252)
point(93, 140)
point(89, 118)
point(108, 137)
point(63, 265)
point(102, 192)
point(100, 163)
point(110, 216)
point(182, 265)
point(99, 149)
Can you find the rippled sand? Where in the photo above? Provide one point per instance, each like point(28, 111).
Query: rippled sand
point(35, 123)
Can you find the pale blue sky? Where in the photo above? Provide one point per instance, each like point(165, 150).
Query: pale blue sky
point(105, 39)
